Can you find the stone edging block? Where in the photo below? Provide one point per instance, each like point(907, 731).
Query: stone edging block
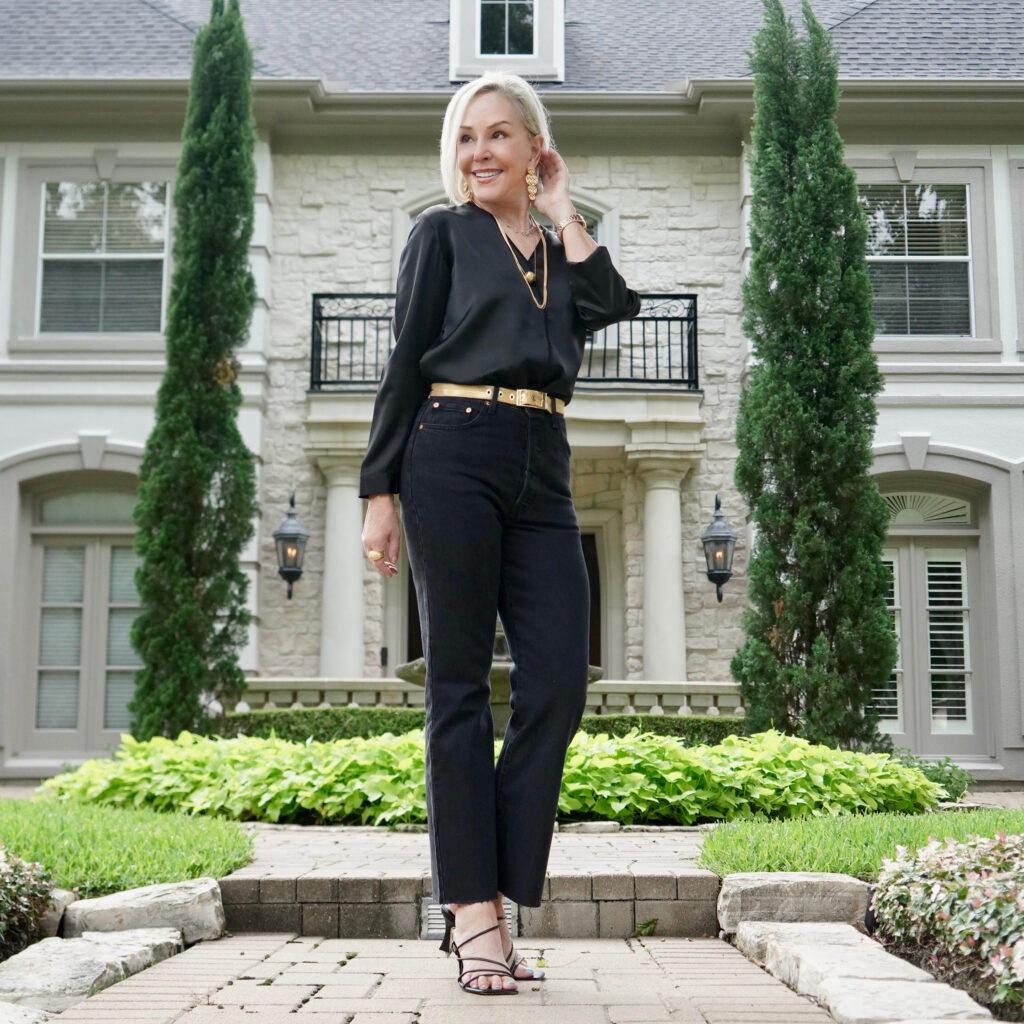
point(53, 974)
point(851, 975)
point(193, 907)
point(790, 896)
point(12, 1014)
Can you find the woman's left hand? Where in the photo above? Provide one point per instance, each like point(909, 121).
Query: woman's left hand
point(553, 194)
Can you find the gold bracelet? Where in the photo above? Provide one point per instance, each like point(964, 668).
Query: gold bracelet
point(575, 218)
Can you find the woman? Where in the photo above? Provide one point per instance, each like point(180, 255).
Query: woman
point(468, 427)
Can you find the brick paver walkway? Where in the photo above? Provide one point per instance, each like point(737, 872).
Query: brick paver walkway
point(277, 978)
point(297, 850)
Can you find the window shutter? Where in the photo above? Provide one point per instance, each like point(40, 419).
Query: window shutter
point(888, 700)
point(948, 643)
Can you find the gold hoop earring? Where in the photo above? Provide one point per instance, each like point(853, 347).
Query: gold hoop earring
point(532, 181)
point(467, 192)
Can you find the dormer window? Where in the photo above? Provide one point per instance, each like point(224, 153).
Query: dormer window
point(524, 36)
point(506, 28)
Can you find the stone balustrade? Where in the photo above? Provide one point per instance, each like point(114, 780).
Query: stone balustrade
point(605, 697)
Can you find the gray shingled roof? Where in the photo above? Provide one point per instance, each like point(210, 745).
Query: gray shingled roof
point(402, 45)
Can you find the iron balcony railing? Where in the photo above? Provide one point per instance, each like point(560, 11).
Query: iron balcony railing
point(352, 338)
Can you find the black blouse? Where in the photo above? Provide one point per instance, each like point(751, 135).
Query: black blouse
point(463, 314)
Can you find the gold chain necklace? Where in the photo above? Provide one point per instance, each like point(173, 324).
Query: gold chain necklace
point(529, 231)
point(519, 267)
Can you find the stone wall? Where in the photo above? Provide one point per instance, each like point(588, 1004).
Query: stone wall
point(679, 231)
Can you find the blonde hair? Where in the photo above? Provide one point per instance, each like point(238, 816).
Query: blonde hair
point(513, 88)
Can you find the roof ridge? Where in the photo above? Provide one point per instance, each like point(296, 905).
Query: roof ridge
point(851, 10)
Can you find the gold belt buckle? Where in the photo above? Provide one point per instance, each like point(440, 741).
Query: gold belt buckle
point(536, 399)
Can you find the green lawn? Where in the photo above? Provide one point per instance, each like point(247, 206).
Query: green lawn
point(101, 849)
point(853, 844)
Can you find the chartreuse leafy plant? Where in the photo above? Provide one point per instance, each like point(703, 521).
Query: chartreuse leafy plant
point(197, 483)
point(851, 844)
point(631, 778)
point(97, 849)
point(818, 634)
point(643, 778)
point(24, 894)
point(964, 898)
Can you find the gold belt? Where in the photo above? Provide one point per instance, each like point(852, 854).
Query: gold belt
point(511, 396)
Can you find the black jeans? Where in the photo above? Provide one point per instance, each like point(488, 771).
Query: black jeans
point(491, 530)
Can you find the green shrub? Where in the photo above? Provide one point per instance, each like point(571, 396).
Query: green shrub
point(644, 778)
point(321, 724)
point(852, 844)
point(328, 724)
point(953, 779)
point(24, 896)
point(99, 849)
point(961, 897)
point(690, 729)
point(360, 781)
point(631, 778)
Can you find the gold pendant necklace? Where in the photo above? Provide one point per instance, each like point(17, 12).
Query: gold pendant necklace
point(528, 275)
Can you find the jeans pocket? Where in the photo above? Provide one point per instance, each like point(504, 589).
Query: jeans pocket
point(453, 413)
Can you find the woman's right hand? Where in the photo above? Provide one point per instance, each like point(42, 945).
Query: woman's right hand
point(381, 533)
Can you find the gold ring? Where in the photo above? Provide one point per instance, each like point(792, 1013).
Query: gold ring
point(374, 556)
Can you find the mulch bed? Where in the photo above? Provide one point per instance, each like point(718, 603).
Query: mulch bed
point(959, 971)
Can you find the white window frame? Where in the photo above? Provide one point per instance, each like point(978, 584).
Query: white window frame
point(909, 546)
point(968, 259)
point(94, 257)
point(89, 734)
point(545, 64)
point(32, 177)
point(976, 175)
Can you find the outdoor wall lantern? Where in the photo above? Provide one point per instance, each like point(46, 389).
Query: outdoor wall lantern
point(290, 539)
point(719, 545)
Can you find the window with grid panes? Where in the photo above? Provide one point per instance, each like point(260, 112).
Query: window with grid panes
point(506, 27)
point(88, 605)
point(919, 258)
point(103, 254)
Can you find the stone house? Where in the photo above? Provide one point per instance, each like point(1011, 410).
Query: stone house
point(652, 122)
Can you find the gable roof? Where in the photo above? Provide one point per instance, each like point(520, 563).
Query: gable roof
point(396, 46)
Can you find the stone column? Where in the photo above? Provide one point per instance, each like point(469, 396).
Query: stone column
point(341, 603)
point(664, 615)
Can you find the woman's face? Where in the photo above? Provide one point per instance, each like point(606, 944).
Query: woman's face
point(495, 149)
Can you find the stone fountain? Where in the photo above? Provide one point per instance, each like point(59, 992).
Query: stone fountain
point(501, 665)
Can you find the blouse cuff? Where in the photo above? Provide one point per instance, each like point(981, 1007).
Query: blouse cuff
point(377, 483)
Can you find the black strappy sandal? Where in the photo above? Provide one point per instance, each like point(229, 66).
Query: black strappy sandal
point(449, 946)
point(516, 960)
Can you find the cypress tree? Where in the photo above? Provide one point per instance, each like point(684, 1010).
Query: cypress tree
point(197, 494)
point(818, 634)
